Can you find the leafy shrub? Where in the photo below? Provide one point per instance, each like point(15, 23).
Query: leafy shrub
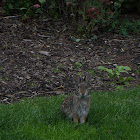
point(23, 8)
point(116, 74)
point(87, 16)
point(99, 15)
point(94, 15)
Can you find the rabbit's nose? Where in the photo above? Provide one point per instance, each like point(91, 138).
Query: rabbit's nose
point(82, 92)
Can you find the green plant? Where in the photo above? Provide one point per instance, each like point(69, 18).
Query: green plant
point(94, 15)
point(104, 15)
point(56, 70)
point(24, 8)
point(1, 68)
point(31, 11)
point(138, 71)
point(5, 78)
point(92, 72)
point(128, 26)
point(33, 85)
point(55, 8)
point(119, 87)
point(87, 16)
point(77, 40)
point(77, 65)
point(115, 74)
point(92, 38)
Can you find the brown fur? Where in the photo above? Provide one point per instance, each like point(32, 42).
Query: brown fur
point(77, 106)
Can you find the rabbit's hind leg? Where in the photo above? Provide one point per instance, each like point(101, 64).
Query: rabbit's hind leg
point(83, 119)
point(75, 118)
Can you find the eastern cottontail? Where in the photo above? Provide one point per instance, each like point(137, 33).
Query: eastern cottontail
point(77, 106)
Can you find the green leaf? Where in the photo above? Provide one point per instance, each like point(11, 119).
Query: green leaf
point(127, 68)
point(120, 67)
point(10, 6)
point(101, 68)
point(129, 78)
point(92, 72)
point(123, 31)
point(123, 68)
point(117, 4)
point(77, 64)
point(126, 83)
point(56, 70)
point(78, 40)
point(119, 88)
point(73, 38)
point(42, 1)
point(94, 37)
point(116, 66)
point(123, 71)
point(115, 23)
point(1, 68)
point(110, 71)
point(121, 79)
point(117, 73)
point(23, 8)
point(110, 75)
point(52, 5)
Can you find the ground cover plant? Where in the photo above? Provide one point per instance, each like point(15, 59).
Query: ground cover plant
point(113, 116)
point(116, 74)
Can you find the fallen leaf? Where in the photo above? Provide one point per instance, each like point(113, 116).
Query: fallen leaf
point(44, 53)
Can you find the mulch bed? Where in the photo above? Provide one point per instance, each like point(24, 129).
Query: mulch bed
point(38, 58)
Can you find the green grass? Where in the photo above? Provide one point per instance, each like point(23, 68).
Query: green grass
point(113, 116)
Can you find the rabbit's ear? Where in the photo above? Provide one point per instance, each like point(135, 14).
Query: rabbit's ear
point(88, 77)
point(76, 78)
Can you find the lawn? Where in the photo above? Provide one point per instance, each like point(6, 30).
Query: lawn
point(113, 116)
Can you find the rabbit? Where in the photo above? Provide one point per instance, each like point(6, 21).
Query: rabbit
point(77, 106)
